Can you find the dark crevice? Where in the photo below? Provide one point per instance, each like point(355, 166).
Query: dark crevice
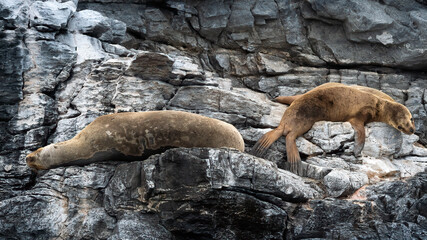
point(32, 181)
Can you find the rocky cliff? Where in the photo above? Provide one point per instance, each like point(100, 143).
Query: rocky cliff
point(64, 63)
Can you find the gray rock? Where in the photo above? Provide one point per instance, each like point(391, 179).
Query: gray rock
point(273, 65)
point(52, 64)
point(69, 127)
point(96, 25)
point(330, 162)
point(379, 168)
point(382, 140)
point(213, 18)
point(342, 182)
point(36, 138)
point(265, 10)
point(51, 15)
point(330, 136)
point(89, 22)
point(307, 148)
point(215, 99)
point(14, 14)
point(139, 226)
point(410, 166)
point(35, 110)
point(241, 18)
point(86, 47)
point(363, 21)
point(395, 212)
point(151, 66)
point(14, 62)
point(133, 95)
point(225, 60)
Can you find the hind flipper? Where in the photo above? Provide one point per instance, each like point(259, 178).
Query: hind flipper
point(287, 99)
point(294, 159)
point(265, 142)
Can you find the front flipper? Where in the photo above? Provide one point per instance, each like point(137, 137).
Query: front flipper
point(359, 137)
point(265, 142)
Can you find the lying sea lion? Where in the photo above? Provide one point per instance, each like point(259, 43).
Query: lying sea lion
point(134, 136)
point(289, 99)
point(339, 103)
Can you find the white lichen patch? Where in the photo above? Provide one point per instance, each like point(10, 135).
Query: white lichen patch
point(385, 38)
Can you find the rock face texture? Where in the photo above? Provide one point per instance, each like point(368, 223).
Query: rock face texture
point(64, 63)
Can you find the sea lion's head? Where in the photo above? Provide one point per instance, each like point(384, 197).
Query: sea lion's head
point(401, 118)
point(39, 159)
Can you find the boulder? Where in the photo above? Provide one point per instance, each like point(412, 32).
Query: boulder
point(48, 16)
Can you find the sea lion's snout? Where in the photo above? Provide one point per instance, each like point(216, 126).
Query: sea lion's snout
point(32, 161)
point(408, 131)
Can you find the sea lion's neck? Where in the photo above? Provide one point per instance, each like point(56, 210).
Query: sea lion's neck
point(59, 153)
point(383, 112)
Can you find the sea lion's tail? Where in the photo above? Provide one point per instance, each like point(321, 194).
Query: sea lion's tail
point(265, 142)
point(287, 99)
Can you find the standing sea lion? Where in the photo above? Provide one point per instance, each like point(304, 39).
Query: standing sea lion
point(135, 135)
point(339, 103)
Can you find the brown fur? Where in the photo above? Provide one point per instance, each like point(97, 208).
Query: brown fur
point(337, 103)
point(132, 135)
point(289, 99)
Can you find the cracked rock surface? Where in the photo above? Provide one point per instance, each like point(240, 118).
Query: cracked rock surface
point(64, 63)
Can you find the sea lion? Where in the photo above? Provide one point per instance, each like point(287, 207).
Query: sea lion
point(339, 103)
point(289, 99)
point(133, 136)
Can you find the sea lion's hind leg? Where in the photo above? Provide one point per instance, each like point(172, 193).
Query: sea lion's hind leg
point(265, 142)
point(359, 136)
point(294, 159)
